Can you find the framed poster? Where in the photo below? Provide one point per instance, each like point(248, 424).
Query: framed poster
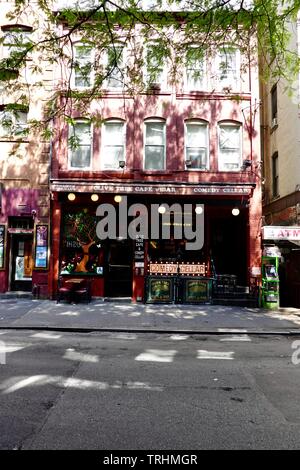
point(197, 290)
point(41, 246)
point(160, 290)
point(2, 245)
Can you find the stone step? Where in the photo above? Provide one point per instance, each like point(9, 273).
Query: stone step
point(16, 295)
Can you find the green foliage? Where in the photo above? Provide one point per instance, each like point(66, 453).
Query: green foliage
point(257, 28)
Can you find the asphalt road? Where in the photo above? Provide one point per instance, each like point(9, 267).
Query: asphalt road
point(147, 391)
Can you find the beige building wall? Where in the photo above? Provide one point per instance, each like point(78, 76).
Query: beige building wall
point(24, 160)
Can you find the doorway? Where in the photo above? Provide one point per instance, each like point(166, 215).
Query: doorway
point(229, 246)
point(21, 263)
point(118, 269)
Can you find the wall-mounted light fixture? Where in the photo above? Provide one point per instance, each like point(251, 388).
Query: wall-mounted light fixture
point(161, 209)
point(118, 198)
point(198, 210)
point(122, 164)
point(94, 197)
point(246, 164)
point(71, 197)
point(235, 211)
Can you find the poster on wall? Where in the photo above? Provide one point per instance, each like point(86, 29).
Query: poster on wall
point(160, 290)
point(41, 246)
point(2, 245)
point(197, 290)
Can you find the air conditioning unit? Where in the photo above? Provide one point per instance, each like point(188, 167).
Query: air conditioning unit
point(274, 122)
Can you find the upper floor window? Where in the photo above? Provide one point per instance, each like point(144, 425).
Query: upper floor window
point(80, 145)
point(228, 67)
point(230, 146)
point(113, 144)
point(196, 145)
point(13, 121)
point(154, 145)
point(82, 66)
point(17, 39)
point(114, 61)
point(195, 69)
point(275, 175)
point(274, 105)
point(155, 65)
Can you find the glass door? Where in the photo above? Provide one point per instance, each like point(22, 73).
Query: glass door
point(22, 264)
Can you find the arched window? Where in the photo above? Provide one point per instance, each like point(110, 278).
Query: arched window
point(113, 144)
point(228, 63)
point(17, 39)
point(13, 120)
point(155, 65)
point(80, 145)
point(82, 76)
point(154, 144)
point(230, 146)
point(195, 68)
point(196, 145)
point(114, 66)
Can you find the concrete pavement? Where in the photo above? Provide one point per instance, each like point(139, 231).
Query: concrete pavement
point(124, 316)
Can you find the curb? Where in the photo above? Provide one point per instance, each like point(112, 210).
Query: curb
point(157, 331)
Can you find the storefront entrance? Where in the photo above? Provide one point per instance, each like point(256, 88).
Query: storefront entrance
point(118, 268)
point(21, 263)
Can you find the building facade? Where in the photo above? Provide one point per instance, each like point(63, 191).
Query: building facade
point(280, 121)
point(192, 142)
point(24, 160)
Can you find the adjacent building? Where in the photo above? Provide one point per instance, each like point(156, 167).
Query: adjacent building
point(24, 161)
point(280, 130)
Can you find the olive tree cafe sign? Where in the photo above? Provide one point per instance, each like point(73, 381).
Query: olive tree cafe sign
point(270, 232)
point(163, 189)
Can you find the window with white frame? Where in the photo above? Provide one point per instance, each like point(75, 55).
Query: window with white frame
point(113, 144)
point(13, 122)
point(228, 67)
point(114, 62)
point(155, 65)
point(230, 146)
point(196, 145)
point(154, 145)
point(82, 66)
point(80, 145)
point(16, 40)
point(195, 68)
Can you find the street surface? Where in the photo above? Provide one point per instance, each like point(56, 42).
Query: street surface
point(112, 391)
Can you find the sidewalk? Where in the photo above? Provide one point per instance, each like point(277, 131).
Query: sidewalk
point(118, 316)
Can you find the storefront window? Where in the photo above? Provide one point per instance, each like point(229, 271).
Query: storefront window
point(154, 145)
point(81, 249)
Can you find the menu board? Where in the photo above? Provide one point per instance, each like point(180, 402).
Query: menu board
point(41, 246)
point(197, 290)
point(2, 245)
point(139, 248)
point(160, 289)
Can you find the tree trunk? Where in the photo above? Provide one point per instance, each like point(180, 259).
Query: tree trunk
point(80, 268)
